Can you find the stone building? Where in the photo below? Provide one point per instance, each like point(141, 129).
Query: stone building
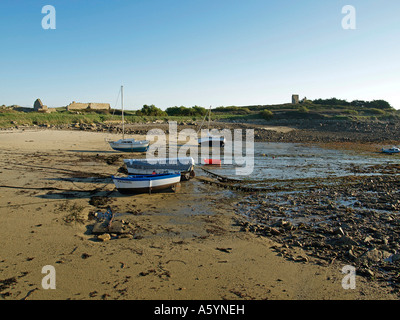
point(295, 98)
point(91, 105)
point(39, 107)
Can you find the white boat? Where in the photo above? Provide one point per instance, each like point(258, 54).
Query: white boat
point(146, 183)
point(130, 144)
point(184, 165)
point(391, 150)
point(210, 140)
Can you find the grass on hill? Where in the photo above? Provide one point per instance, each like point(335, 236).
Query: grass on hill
point(10, 117)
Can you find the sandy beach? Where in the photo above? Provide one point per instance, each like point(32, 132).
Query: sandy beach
point(176, 245)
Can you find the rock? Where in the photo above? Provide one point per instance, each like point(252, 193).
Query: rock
point(345, 241)
point(288, 226)
point(368, 239)
point(350, 254)
point(126, 236)
point(366, 273)
point(275, 231)
point(339, 231)
point(104, 237)
point(284, 224)
point(373, 256)
point(301, 258)
point(393, 258)
point(297, 243)
point(85, 255)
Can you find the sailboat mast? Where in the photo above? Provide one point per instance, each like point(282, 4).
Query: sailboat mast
point(122, 108)
point(209, 116)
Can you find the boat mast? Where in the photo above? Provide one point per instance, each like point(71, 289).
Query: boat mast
point(209, 116)
point(122, 108)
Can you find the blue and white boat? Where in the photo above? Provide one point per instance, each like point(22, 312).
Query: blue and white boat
point(146, 183)
point(184, 165)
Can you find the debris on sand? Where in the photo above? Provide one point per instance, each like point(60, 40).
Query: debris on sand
point(108, 226)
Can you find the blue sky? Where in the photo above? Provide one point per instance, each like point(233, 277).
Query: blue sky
point(198, 52)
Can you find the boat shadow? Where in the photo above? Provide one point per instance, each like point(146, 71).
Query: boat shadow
point(93, 180)
point(105, 151)
point(89, 194)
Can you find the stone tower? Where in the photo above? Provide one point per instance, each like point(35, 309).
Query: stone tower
point(295, 98)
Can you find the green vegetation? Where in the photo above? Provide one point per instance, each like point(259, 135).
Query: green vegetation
point(151, 111)
point(267, 114)
point(335, 109)
point(56, 118)
point(375, 104)
point(186, 112)
point(303, 109)
point(232, 110)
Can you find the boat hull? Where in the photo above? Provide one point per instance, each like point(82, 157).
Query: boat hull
point(165, 165)
point(185, 175)
point(212, 142)
point(130, 147)
point(145, 183)
point(391, 150)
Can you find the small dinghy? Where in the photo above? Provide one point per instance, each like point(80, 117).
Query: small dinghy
point(146, 182)
point(391, 150)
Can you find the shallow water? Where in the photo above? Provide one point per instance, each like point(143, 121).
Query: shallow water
point(285, 161)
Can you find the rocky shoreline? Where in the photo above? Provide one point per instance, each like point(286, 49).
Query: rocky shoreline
point(301, 130)
point(352, 222)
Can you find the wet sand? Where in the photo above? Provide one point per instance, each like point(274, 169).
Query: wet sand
point(176, 245)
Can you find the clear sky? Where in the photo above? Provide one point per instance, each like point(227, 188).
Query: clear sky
point(198, 52)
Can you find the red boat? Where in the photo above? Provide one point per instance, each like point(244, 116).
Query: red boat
point(214, 162)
